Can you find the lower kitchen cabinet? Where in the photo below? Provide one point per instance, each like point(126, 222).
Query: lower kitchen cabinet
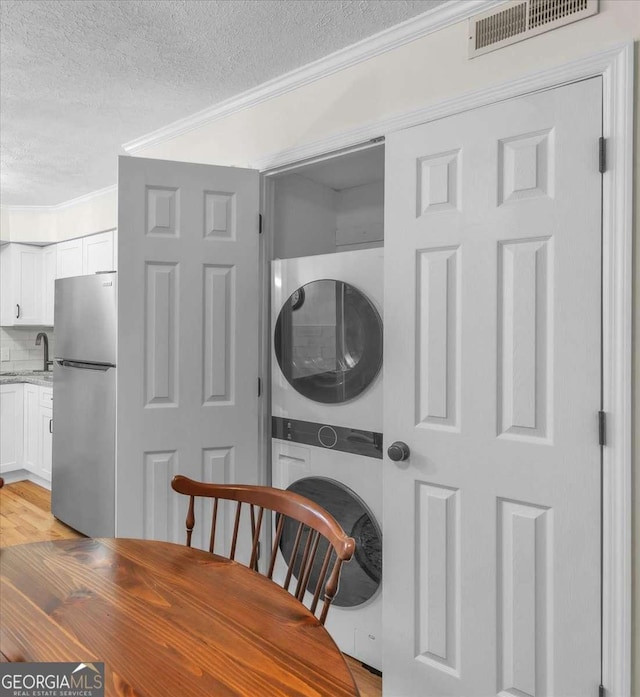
point(32, 451)
point(11, 427)
point(26, 418)
point(38, 414)
point(46, 440)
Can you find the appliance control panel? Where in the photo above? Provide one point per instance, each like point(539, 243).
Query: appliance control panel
point(346, 440)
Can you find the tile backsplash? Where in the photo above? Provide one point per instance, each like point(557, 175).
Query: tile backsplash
point(18, 350)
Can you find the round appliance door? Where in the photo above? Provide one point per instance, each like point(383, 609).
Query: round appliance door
point(328, 341)
point(361, 577)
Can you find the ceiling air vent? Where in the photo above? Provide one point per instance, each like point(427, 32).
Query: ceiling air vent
point(521, 19)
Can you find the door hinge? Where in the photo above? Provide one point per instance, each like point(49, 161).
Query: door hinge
point(259, 223)
point(601, 691)
point(259, 387)
point(602, 155)
point(602, 427)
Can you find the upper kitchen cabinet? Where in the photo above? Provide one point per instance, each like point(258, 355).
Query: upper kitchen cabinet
point(86, 255)
point(69, 258)
point(21, 268)
point(97, 253)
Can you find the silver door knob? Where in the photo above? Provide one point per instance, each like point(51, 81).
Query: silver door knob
point(398, 451)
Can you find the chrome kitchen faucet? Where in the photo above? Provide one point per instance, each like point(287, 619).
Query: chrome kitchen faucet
point(39, 338)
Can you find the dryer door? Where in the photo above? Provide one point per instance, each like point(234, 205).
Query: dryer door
point(328, 341)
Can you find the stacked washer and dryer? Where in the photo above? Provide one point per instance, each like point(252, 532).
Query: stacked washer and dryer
point(327, 419)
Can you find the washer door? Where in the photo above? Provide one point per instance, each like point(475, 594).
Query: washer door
point(328, 341)
point(361, 577)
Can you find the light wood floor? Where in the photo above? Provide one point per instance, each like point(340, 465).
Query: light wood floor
point(25, 516)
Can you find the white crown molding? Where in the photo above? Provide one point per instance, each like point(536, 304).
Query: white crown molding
point(29, 209)
point(616, 68)
point(85, 198)
point(435, 19)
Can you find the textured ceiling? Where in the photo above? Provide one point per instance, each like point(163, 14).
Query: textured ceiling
point(80, 77)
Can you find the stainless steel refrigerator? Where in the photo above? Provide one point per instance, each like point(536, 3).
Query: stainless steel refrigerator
point(84, 402)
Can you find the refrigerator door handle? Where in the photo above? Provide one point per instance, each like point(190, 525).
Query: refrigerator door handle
point(84, 365)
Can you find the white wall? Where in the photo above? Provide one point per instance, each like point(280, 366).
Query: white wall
point(360, 217)
point(304, 218)
point(89, 215)
point(40, 225)
point(28, 224)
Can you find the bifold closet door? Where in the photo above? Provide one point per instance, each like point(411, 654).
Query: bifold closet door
point(492, 378)
point(187, 337)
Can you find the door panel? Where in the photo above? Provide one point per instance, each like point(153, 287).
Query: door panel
point(492, 377)
point(187, 337)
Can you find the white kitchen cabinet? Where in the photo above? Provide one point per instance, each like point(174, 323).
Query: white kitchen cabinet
point(69, 260)
point(45, 420)
point(97, 253)
point(37, 430)
point(28, 273)
point(22, 286)
point(49, 271)
point(86, 255)
point(31, 448)
point(11, 427)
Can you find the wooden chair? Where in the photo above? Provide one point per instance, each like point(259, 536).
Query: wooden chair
point(314, 523)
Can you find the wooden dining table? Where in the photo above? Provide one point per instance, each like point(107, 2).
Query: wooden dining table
point(166, 620)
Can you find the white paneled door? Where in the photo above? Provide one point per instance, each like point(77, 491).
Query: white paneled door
point(188, 337)
point(492, 378)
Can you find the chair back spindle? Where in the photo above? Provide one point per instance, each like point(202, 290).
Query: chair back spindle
point(214, 518)
point(315, 529)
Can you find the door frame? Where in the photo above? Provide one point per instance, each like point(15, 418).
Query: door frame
point(616, 67)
